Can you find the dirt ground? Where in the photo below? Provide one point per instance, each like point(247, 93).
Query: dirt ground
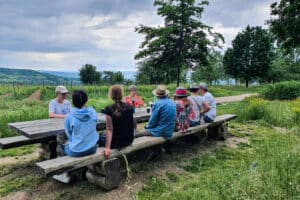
point(169, 161)
point(36, 96)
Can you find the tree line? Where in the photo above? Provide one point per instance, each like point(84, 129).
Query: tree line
point(89, 75)
point(185, 44)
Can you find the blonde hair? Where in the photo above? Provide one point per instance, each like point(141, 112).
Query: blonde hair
point(116, 93)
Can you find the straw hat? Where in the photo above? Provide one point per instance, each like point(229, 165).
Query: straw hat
point(61, 89)
point(160, 91)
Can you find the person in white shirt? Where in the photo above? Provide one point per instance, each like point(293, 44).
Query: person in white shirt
point(200, 106)
point(60, 106)
point(210, 115)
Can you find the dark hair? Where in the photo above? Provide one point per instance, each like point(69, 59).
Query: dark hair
point(79, 98)
point(193, 90)
point(116, 94)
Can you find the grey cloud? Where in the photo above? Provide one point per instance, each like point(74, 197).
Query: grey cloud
point(37, 28)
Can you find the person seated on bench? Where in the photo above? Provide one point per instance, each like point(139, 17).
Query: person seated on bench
point(120, 123)
point(184, 110)
point(60, 106)
point(133, 99)
point(210, 115)
point(80, 128)
point(163, 116)
point(200, 106)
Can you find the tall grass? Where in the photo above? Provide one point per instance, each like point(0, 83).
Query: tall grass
point(276, 113)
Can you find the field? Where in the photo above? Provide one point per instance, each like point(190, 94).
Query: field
point(260, 160)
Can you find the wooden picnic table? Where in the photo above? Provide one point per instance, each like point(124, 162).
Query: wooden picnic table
point(52, 127)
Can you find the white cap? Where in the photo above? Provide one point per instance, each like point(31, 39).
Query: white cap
point(61, 89)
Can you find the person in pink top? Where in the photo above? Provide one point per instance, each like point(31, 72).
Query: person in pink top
point(184, 110)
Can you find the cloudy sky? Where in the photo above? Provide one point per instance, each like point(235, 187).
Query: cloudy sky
point(65, 34)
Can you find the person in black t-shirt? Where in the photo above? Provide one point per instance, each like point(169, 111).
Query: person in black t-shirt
point(120, 123)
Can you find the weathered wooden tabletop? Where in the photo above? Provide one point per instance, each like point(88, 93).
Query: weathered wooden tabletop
point(51, 127)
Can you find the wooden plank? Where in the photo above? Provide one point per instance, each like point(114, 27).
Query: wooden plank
point(11, 142)
point(65, 163)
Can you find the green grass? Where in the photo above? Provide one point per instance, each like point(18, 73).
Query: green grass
point(19, 151)
point(19, 183)
point(266, 168)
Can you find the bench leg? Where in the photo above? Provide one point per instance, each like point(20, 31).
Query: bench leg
point(218, 132)
point(48, 150)
point(61, 139)
point(106, 175)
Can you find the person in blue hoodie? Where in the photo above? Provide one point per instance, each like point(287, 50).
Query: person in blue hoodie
point(80, 128)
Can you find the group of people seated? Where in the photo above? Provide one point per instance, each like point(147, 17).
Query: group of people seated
point(167, 116)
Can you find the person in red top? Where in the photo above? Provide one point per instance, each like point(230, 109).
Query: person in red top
point(184, 110)
point(133, 99)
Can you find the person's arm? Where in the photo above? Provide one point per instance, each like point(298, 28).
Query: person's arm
point(141, 102)
point(52, 115)
point(153, 118)
point(205, 108)
point(109, 132)
point(51, 112)
point(68, 129)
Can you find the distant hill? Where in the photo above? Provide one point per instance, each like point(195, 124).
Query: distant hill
point(65, 74)
point(75, 75)
point(29, 76)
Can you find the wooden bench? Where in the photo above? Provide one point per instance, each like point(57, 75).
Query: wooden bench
point(106, 173)
point(44, 132)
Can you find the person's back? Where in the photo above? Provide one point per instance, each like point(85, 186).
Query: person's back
point(123, 124)
point(197, 104)
point(81, 129)
point(211, 114)
point(162, 120)
point(184, 114)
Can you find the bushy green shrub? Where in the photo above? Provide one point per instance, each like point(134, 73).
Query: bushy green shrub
point(283, 90)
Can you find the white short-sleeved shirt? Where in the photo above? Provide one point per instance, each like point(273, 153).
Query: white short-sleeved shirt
point(59, 108)
point(197, 102)
point(213, 107)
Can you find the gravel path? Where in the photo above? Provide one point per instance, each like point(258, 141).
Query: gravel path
point(233, 98)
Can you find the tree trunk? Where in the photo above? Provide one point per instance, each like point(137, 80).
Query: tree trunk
point(247, 83)
point(178, 76)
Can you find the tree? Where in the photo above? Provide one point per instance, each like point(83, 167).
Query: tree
point(149, 73)
point(182, 43)
point(213, 71)
point(286, 23)
point(284, 67)
point(228, 63)
point(250, 56)
point(89, 75)
point(110, 77)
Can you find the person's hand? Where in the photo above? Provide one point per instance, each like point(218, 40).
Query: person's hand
point(106, 153)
